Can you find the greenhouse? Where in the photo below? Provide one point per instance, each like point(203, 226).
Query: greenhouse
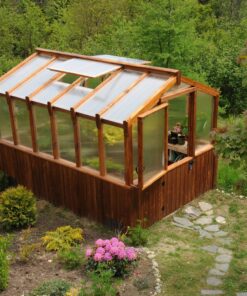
point(111, 138)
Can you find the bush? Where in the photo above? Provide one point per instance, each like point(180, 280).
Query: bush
point(63, 238)
point(4, 182)
point(136, 236)
point(112, 255)
point(4, 263)
point(17, 208)
point(52, 288)
point(71, 259)
point(26, 252)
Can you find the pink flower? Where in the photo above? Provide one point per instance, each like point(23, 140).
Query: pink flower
point(89, 252)
point(114, 251)
point(98, 257)
point(106, 242)
point(107, 256)
point(108, 247)
point(115, 244)
point(99, 242)
point(131, 254)
point(121, 244)
point(114, 240)
point(121, 254)
point(100, 250)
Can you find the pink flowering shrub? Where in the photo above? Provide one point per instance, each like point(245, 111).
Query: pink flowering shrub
point(113, 254)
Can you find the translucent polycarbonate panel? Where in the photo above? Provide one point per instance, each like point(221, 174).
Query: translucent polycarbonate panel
point(35, 82)
point(135, 98)
point(5, 125)
point(178, 114)
point(65, 135)
point(23, 123)
point(153, 144)
point(108, 92)
point(49, 92)
point(89, 143)
point(72, 97)
point(114, 150)
point(121, 59)
point(23, 72)
point(43, 129)
point(178, 87)
point(204, 110)
point(85, 68)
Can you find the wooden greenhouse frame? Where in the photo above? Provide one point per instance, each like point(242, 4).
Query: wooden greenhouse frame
point(130, 93)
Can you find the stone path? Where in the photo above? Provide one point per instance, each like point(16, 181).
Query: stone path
point(203, 220)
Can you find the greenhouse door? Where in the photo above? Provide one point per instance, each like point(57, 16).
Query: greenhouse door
point(152, 145)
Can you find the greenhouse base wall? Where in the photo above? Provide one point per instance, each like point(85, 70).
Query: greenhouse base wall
point(105, 202)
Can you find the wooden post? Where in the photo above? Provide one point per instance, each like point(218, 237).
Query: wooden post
point(54, 137)
point(77, 141)
point(140, 153)
point(101, 147)
point(215, 111)
point(166, 139)
point(128, 154)
point(12, 119)
point(32, 125)
point(192, 124)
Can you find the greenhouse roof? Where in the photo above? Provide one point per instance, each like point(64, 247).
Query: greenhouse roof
point(128, 86)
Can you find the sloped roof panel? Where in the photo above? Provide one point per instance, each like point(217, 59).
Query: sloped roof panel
point(122, 59)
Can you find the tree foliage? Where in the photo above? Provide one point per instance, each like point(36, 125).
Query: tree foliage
point(204, 39)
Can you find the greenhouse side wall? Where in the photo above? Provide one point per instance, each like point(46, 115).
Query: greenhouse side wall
point(101, 200)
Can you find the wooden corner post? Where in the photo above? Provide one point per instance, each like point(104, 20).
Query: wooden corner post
point(101, 147)
point(77, 140)
point(128, 154)
point(12, 119)
point(192, 124)
point(32, 125)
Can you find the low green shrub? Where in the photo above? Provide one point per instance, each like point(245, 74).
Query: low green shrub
point(72, 259)
point(17, 208)
point(52, 288)
point(63, 238)
point(4, 182)
point(4, 263)
point(136, 236)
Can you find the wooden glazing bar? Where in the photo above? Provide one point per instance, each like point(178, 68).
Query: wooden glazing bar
point(39, 89)
point(54, 136)
point(207, 89)
point(77, 141)
point(140, 152)
point(128, 154)
point(32, 125)
point(152, 101)
point(6, 75)
point(157, 108)
point(12, 119)
point(101, 147)
point(120, 96)
point(192, 124)
point(31, 75)
point(97, 88)
point(177, 93)
point(67, 89)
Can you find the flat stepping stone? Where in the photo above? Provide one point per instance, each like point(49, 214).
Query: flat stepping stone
point(205, 206)
point(183, 221)
point(209, 213)
point(224, 251)
point(224, 258)
point(192, 211)
point(214, 281)
point(212, 228)
point(197, 227)
point(225, 241)
point(182, 226)
point(242, 294)
point(221, 220)
point(216, 272)
point(222, 266)
point(210, 248)
point(205, 220)
point(220, 233)
point(212, 292)
point(204, 233)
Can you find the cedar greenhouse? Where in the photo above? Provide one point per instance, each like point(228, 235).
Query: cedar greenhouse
point(111, 138)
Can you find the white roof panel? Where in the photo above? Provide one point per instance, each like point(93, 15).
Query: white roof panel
point(134, 99)
point(23, 72)
point(72, 97)
point(122, 59)
point(108, 92)
point(85, 68)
